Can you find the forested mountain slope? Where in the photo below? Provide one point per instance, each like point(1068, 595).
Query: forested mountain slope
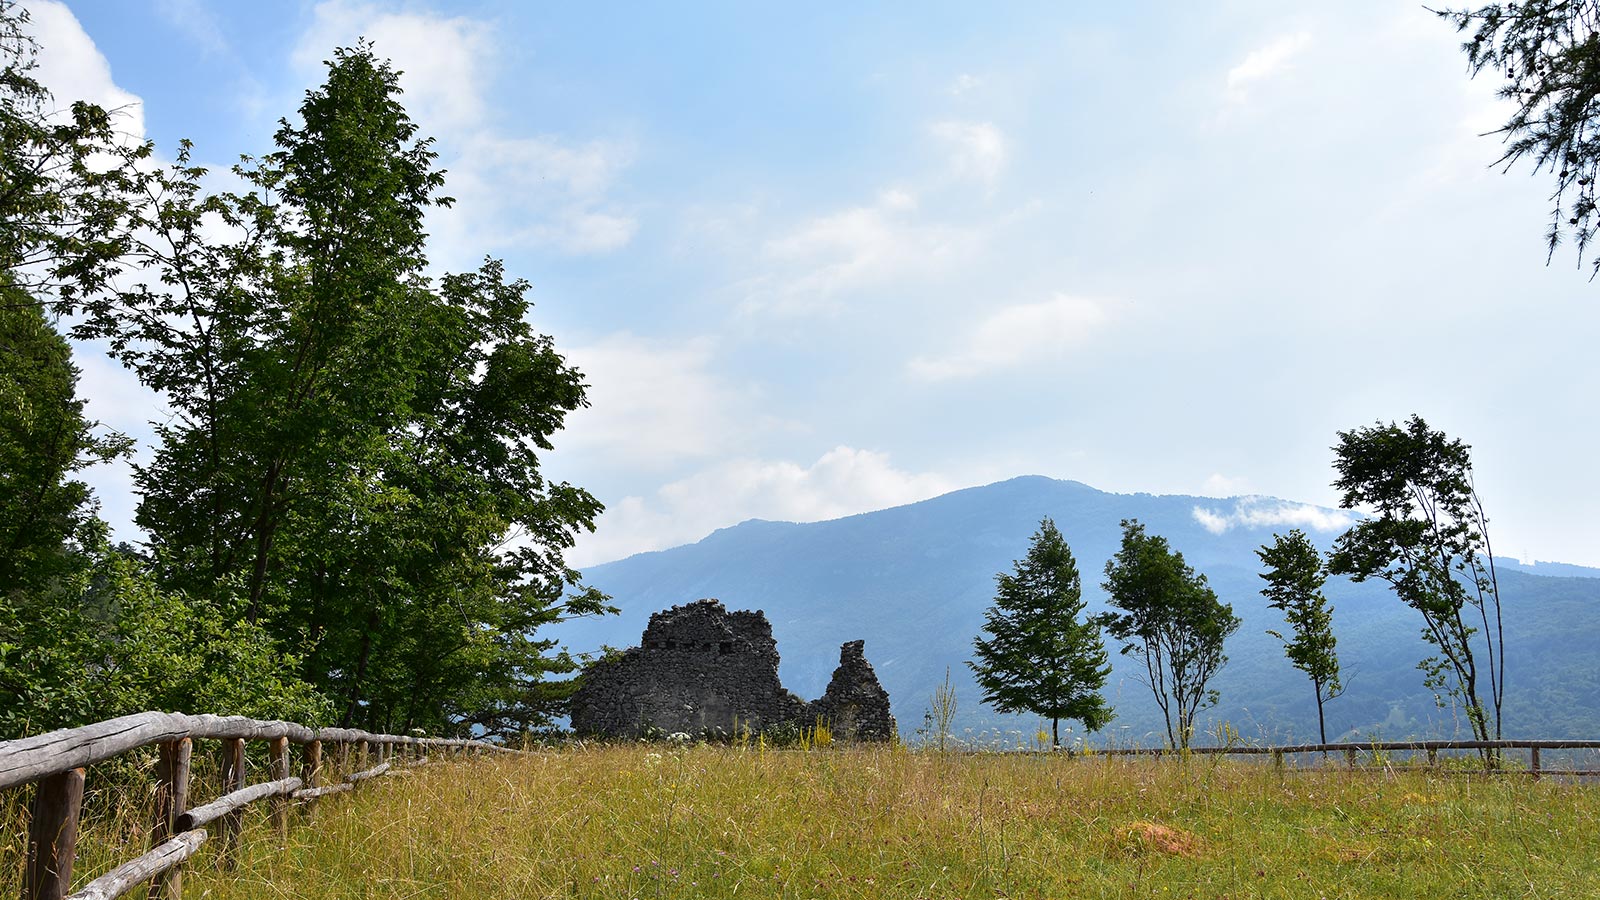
point(914, 581)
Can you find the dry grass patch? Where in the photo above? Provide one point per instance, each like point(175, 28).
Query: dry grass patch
point(718, 822)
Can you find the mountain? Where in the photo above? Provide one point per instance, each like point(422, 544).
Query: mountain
point(914, 581)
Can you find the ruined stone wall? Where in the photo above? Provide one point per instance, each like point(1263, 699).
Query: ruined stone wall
point(698, 670)
point(703, 670)
point(855, 704)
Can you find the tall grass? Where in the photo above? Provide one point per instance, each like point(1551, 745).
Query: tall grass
point(652, 821)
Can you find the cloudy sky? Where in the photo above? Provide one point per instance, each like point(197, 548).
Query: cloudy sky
point(819, 261)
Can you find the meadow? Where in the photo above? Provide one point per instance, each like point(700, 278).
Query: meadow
point(655, 821)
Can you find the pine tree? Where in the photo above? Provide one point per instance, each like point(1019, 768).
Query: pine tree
point(1042, 654)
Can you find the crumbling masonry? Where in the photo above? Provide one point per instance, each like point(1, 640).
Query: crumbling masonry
point(702, 670)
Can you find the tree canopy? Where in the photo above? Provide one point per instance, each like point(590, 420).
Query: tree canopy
point(1428, 538)
point(1167, 616)
point(348, 489)
point(1042, 655)
point(1295, 575)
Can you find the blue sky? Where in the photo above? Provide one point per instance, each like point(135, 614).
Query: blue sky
point(819, 261)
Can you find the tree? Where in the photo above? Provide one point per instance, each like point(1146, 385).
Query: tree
point(1427, 536)
point(48, 521)
point(1295, 576)
point(1042, 655)
point(1549, 54)
point(1171, 619)
point(354, 445)
point(63, 176)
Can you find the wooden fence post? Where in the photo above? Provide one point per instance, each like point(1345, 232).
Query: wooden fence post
point(342, 760)
point(1534, 763)
point(1350, 757)
point(53, 836)
point(232, 780)
point(311, 766)
point(278, 770)
point(172, 800)
point(1433, 757)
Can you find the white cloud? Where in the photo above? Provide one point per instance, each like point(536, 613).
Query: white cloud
point(541, 191)
point(441, 59)
point(1267, 512)
point(978, 149)
point(1018, 335)
point(196, 21)
point(1264, 62)
point(654, 403)
point(844, 481)
point(964, 83)
point(73, 68)
point(1220, 485)
point(827, 256)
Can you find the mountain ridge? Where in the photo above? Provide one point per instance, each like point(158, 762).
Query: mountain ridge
point(913, 581)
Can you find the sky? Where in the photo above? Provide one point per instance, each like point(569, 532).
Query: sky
point(817, 261)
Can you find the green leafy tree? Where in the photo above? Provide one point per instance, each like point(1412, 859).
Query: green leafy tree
point(1547, 53)
point(1427, 536)
point(354, 444)
point(1295, 575)
point(1042, 655)
point(64, 175)
point(1167, 616)
point(48, 521)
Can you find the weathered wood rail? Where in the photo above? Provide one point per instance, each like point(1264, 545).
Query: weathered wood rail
point(1352, 749)
point(57, 763)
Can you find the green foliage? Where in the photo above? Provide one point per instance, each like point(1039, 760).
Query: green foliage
point(1428, 539)
point(353, 445)
point(1549, 54)
point(1171, 620)
point(47, 518)
point(85, 633)
point(1042, 655)
point(125, 646)
point(1295, 576)
point(63, 175)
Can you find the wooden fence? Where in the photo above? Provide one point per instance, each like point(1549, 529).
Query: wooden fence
point(1352, 749)
point(56, 761)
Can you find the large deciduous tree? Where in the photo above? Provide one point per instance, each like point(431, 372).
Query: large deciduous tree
point(64, 174)
point(354, 445)
point(1042, 655)
point(1168, 617)
point(1427, 535)
point(1548, 54)
point(1295, 575)
point(48, 522)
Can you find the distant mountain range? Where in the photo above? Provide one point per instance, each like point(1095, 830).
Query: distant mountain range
point(914, 581)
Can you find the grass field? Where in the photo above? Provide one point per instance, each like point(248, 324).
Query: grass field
point(653, 821)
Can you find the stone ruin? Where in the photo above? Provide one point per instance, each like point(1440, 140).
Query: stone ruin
point(702, 670)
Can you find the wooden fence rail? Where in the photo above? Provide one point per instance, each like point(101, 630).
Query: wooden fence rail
point(57, 762)
point(1351, 749)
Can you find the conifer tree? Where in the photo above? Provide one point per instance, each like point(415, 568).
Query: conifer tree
point(1042, 655)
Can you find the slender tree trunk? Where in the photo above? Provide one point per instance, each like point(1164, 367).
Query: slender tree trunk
point(361, 671)
point(1322, 724)
point(1055, 733)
